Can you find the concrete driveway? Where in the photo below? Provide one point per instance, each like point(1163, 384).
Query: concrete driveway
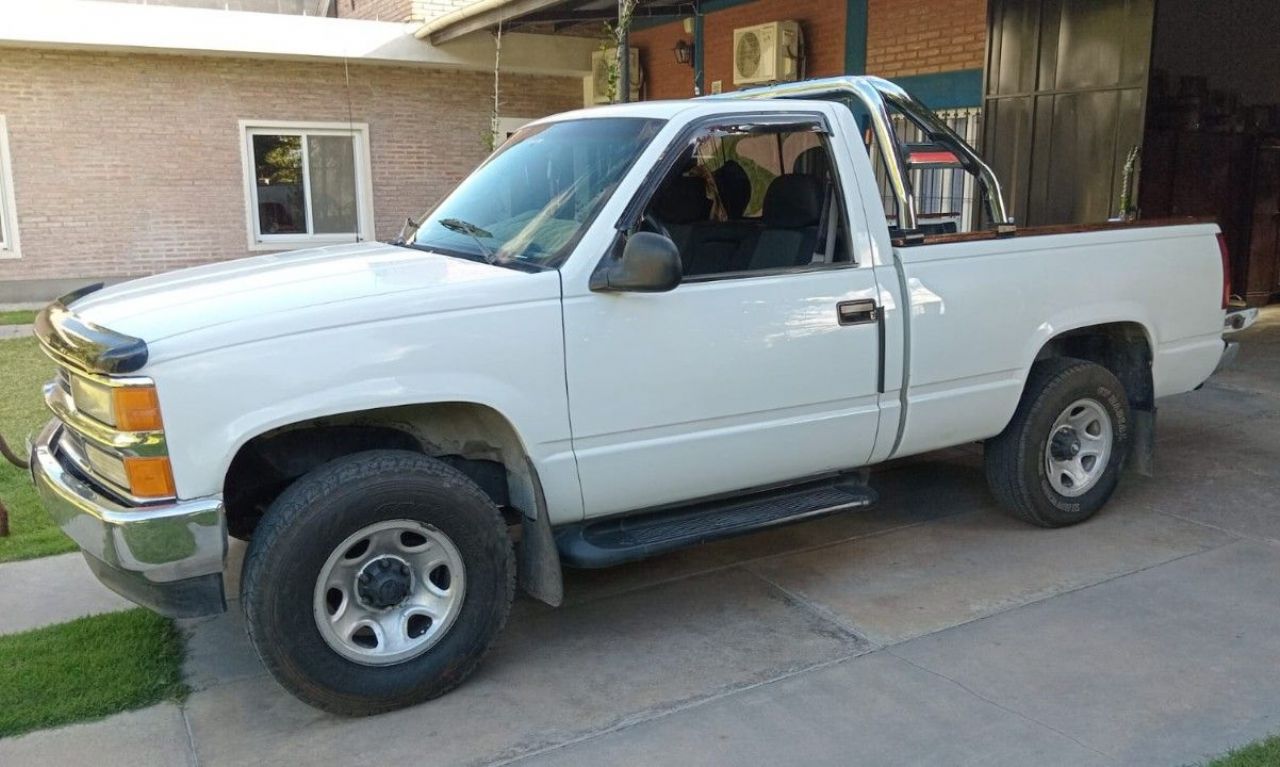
point(931, 630)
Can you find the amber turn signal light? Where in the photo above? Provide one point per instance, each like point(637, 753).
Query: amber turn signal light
point(149, 477)
point(137, 408)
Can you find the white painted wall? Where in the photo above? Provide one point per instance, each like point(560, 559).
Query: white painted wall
point(80, 24)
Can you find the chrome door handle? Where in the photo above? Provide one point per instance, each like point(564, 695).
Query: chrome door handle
point(861, 312)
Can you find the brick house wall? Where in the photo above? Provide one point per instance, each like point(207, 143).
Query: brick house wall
point(396, 10)
point(822, 21)
point(375, 10)
point(925, 37)
point(426, 10)
point(904, 37)
point(664, 78)
point(129, 164)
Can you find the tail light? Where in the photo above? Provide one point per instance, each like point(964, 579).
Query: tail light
point(1226, 270)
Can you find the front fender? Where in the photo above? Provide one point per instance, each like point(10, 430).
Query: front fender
point(510, 361)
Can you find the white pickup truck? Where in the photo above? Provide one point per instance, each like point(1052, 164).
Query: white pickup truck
point(633, 328)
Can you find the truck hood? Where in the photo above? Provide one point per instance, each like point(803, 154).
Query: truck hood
point(291, 291)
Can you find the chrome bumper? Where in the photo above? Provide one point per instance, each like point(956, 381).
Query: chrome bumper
point(1235, 321)
point(1239, 319)
point(1230, 350)
point(167, 557)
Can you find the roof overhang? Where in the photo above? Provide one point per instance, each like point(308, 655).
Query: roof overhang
point(544, 16)
point(137, 28)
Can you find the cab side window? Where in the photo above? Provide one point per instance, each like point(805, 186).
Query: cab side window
point(742, 202)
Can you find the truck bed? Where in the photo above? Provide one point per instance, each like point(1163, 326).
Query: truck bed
point(1047, 229)
point(982, 307)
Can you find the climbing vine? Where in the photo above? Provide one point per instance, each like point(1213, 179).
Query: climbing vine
point(491, 136)
point(1128, 207)
point(614, 36)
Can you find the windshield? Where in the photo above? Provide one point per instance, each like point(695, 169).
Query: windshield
point(532, 200)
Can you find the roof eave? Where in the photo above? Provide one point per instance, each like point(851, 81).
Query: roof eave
point(478, 16)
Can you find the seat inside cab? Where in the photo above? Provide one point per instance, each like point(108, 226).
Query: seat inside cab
point(752, 202)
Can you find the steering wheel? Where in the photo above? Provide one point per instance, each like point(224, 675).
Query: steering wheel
point(650, 222)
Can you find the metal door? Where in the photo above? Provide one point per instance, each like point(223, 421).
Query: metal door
point(1065, 101)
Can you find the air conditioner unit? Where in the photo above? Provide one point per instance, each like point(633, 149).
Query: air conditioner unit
point(766, 53)
point(595, 89)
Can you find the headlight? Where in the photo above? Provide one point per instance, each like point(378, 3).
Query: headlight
point(128, 408)
point(93, 399)
point(118, 431)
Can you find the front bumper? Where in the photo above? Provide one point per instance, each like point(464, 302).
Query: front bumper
point(168, 558)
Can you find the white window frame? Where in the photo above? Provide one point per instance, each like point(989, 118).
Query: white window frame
point(10, 245)
point(359, 133)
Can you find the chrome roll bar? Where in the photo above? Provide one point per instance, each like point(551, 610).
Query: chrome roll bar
point(878, 95)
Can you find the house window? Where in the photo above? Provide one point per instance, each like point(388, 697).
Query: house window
point(8, 208)
point(307, 184)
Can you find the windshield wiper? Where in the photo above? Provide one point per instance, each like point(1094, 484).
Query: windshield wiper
point(471, 230)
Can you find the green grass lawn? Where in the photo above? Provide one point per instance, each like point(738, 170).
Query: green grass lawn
point(17, 318)
point(1264, 753)
point(23, 370)
point(87, 669)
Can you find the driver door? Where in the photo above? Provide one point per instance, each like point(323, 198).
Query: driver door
point(762, 366)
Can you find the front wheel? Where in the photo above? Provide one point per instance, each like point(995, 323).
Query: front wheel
point(1060, 457)
point(377, 581)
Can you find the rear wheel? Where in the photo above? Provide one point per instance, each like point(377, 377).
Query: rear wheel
point(377, 581)
point(1060, 457)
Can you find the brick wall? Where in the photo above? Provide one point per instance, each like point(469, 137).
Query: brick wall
point(131, 164)
point(915, 37)
point(664, 78)
point(378, 10)
point(822, 21)
point(426, 10)
point(396, 10)
point(375, 10)
point(904, 37)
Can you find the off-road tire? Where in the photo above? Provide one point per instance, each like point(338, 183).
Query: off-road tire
point(1015, 459)
point(316, 514)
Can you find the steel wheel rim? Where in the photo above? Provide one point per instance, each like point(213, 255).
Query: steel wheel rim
point(354, 601)
point(1079, 448)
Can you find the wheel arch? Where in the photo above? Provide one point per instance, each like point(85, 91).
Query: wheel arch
point(475, 438)
point(1126, 348)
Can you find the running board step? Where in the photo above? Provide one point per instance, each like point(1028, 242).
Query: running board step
point(613, 541)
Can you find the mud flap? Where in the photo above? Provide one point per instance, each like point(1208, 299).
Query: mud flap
point(1142, 449)
point(539, 561)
